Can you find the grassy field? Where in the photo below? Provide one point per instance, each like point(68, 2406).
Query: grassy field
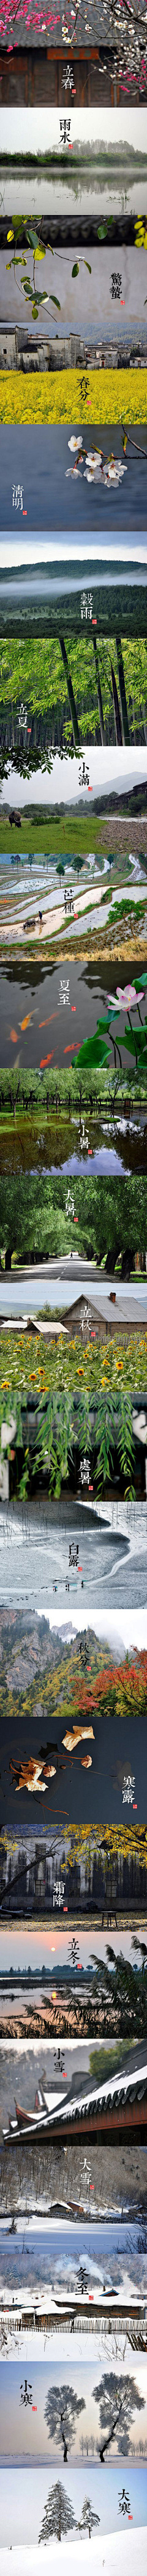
point(65, 835)
point(56, 832)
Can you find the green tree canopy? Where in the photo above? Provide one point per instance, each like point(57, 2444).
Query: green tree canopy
point(109, 1215)
point(36, 681)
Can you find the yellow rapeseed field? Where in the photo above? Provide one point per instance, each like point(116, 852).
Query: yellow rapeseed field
point(110, 395)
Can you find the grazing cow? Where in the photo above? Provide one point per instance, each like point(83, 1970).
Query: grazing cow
point(15, 818)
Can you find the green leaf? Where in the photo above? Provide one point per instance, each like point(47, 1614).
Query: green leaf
point(75, 270)
point(86, 265)
point(32, 237)
point(54, 299)
point(41, 298)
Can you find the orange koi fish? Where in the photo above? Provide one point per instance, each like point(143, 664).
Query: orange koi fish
point(46, 1059)
point(26, 1024)
point(46, 1024)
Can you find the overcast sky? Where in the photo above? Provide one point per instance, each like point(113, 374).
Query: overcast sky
point(94, 125)
point(107, 769)
point(129, 550)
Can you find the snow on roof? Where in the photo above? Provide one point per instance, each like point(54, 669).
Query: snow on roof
point(117, 2089)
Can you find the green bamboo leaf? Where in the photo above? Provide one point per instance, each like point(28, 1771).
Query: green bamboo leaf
point(75, 270)
point(86, 265)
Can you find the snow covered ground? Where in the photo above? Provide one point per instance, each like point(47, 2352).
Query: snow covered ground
point(132, 2554)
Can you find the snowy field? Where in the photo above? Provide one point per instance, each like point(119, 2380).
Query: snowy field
point(132, 2555)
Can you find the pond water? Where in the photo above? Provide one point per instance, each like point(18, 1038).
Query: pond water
point(105, 1159)
point(74, 1145)
point(39, 1007)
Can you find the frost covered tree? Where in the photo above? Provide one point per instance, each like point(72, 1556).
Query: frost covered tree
point(117, 2401)
point(61, 2414)
point(89, 2520)
point(58, 2515)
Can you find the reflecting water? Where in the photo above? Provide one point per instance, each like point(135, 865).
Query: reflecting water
point(105, 1159)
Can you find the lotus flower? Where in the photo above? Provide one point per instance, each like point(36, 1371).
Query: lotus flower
point(124, 999)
